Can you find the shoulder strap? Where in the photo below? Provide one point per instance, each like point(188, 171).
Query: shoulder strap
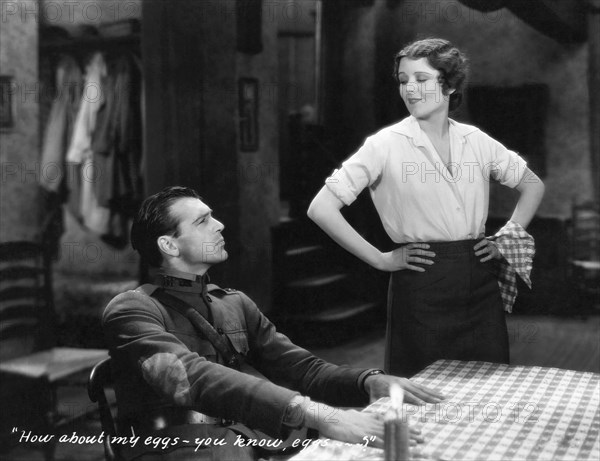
point(231, 357)
point(147, 288)
point(233, 360)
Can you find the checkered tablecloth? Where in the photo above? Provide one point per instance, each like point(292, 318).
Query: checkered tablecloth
point(494, 412)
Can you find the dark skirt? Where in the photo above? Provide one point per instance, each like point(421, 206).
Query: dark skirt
point(453, 310)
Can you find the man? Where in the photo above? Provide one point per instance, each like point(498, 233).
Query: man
point(170, 381)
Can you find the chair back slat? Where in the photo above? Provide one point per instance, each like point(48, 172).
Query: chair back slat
point(26, 300)
point(12, 311)
point(585, 232)
point(21, 273)
point(13, 293)
point(18, 328)
point(15, 251)
point(583, 269)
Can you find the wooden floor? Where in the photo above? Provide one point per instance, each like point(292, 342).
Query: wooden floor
point(562, 342)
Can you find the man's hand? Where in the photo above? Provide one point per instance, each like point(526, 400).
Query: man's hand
point(350, 425)
point(378, 386)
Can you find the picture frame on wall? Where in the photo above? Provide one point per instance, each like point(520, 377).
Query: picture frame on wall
point(248, 113)
point(7, 116)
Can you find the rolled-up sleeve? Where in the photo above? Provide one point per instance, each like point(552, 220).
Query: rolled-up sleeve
point(361, 170)
point(506, 166)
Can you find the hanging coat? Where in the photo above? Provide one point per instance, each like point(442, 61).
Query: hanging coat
point(93, 216)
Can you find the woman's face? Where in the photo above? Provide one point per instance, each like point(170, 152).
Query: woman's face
point(420, 89)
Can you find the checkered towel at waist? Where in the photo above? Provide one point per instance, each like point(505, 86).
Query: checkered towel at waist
point(518, 248)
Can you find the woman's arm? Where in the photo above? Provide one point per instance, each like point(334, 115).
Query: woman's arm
point(325, 212)
point(531, 189)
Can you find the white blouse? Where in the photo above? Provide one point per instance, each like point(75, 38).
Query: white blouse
point(418, 199)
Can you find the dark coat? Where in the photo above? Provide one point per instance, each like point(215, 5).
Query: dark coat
point(160, 360)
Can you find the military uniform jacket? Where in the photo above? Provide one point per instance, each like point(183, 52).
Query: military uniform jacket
point(160, 360)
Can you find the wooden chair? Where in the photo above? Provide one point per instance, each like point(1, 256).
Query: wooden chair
point(101, 378)
point(584, 252)
point(30, 362)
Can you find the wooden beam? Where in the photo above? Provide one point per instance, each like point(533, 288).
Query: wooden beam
point(594, 91)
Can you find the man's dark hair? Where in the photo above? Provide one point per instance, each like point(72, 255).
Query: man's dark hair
point(443, 56)
point(154, 219)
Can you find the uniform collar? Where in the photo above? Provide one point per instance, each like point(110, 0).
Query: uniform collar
point(175, 280)
point(410, 128)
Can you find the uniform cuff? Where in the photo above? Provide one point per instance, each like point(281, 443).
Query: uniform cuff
point(363, 377)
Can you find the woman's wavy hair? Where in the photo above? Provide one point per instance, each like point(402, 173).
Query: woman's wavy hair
point(443, 56)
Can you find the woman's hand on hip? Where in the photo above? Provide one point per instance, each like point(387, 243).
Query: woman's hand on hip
point(487, 249)
point(406, 257)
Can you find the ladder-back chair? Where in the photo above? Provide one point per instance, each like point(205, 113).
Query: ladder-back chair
point(31, 363)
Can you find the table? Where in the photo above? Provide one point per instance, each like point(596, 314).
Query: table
point(494, 412)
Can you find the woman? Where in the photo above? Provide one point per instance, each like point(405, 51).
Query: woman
point(429, 178)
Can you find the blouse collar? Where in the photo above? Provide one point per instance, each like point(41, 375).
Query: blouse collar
point(410, 128)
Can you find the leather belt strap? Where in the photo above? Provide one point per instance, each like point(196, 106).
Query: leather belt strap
point(220, 343)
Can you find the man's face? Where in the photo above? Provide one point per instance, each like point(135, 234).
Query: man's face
point(199, 243)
